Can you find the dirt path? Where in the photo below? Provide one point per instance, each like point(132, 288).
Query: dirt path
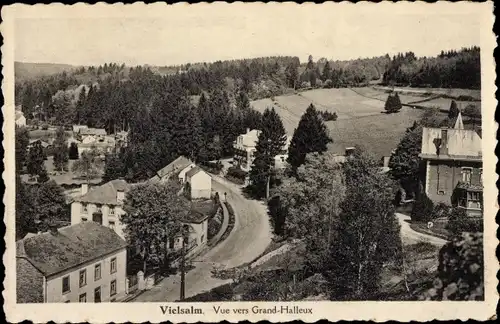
point(411, 236)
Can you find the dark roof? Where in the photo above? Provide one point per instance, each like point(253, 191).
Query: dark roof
point(176, 165)
point(105, 194)
point(69, 247)
point(193, 171)
point(200, 211)
point(194, 216)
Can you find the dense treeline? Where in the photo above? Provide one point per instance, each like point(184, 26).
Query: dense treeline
point(450, 69)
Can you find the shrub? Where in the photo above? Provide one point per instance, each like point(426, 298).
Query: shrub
point(459, 222)
point(328, 116)
point(460, 271)
point(393, 103)
point(328, 84)
point(423, 209)
point(237, 172)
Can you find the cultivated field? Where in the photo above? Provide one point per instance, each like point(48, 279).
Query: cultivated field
point(361, 117)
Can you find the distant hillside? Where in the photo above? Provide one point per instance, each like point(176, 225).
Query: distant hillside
point(24, 71)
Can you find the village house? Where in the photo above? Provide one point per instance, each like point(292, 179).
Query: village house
point(198, 184)
point(177, 166)
point(85, 262)
point(20, 119)
point(453, 167)
point(102, 204)
point(246, 145)
point(196, 224)
point(91, 135)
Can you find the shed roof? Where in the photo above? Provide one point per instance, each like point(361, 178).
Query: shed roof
point(175, 166)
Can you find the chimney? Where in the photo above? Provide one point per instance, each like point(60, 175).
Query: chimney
point(120, 196)
point(444, 141)
point(85, 188)
point(53, 228)
point(248, 130)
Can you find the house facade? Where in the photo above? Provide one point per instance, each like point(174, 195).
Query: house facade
point(85, 262)
point(453, 167)
point(182, 174)
point(198, 184)
point(103, 204)
point(245, 146)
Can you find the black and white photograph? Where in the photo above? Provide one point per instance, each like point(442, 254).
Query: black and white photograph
point(249, 161)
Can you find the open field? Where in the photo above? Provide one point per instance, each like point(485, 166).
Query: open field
point(476, 94)
point(360, 118)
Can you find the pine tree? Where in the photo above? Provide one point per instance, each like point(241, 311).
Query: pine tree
point(35, 162)
point(61, 156)
point(271, 141)
point(453, 113)
point(393, 103)
point(327, 72)
point(311, 135)
point(114, 167)
point(73, 151)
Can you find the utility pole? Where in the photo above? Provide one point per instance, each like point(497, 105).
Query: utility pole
point(183, 270)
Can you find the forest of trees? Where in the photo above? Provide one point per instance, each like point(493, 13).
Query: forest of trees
point(206, 105)
point(450, 69)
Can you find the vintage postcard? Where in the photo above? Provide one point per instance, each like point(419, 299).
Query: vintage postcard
point(210, 162)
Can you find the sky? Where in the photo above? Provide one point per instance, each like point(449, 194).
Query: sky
point(180, 35)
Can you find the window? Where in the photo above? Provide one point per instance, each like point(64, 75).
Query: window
point(113, 265)
point(84, 208)
point(441, 192)
point(82, 298)
point(68, 301)
point(97, 295)
point(466, 175)
point(65, 285)
point(112, 288)
point(84, 219)
point(112, 225)
point(474, 200)
point(83, 278)
point(481, 175)
point(97, 272)
point(98, 209)
point(111, 211)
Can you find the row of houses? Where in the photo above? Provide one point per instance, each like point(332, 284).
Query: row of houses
point(87, 261)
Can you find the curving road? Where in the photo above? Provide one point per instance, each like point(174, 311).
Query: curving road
point(249, 238)
point(410, 236)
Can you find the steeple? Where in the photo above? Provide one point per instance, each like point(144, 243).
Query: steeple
point(459, 124)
